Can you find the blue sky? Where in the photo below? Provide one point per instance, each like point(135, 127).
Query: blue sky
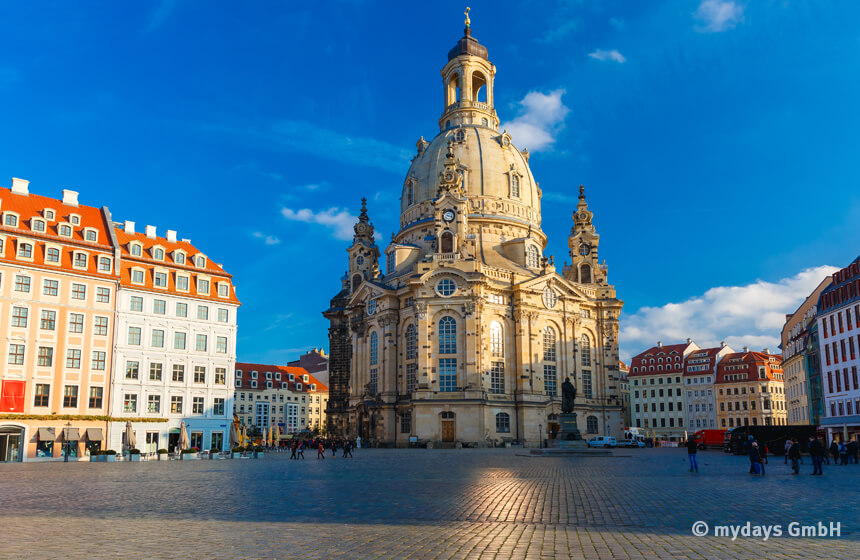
point(717, 140)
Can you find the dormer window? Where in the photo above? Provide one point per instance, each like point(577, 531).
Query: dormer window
point(200, 261)
point(202, 286)
point(253, 375)
point(25, 250)
point(48, 213)
point(305, 378)
point(52, 255)
point(65, 230)
point(253, 384)
point(158, 253)
point(223, 289)
point(91, 235)
point(135, 249)
point(182, 283)
point(298, 386)
point(268, 375)
point(10, 220)
point(313, 386)
point(80, 260)
point(38, 225)
point(160, 279)
point(75, 219)
point(278, 375)
point(137, 275)
point(238, 374)
point(292, 377)
point(104, 264)
point(179, 257)
point(532, 257)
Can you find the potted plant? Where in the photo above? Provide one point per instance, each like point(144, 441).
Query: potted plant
point(258, 451)
point(237, 452)
point(162, 454)
point(110, 456)
point(134, 455)
point(190, 454)
point(94, 456)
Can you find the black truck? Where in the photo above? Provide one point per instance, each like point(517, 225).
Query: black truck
point(772, 436)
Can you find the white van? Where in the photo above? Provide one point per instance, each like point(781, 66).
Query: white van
point(602, 441)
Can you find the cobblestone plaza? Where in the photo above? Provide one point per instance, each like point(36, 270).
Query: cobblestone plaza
point(419, 503)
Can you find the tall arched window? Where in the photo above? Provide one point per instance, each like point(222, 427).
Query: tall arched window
point(447, 335)
point(585, 274)
point(503, 423)
point(585, 350)
point(374, 348)
point(497, 340)
point(479, 83)
point(515, 185)
point(532, 257)
point(410, 192)
point(591, 425)
point(550, 370)
point(447, 243)
point(356, 282)
point(411, 342)
point(453, 88)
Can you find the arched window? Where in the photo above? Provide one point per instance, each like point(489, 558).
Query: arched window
point(410, 193)
point(479, 89)
point(503, 423)
point(591, 425)
point(411, 342)
point(497, 340)
point(447, 243)
point(532, 257)
point(585, 274)
point(453, 88)
point(550, 370)
point(447, 335)
point(515, 185)
point(585, 350)
point(460, 135)
point(549, 344)
point(356, 282)
point(485, 122)
point(374, 348)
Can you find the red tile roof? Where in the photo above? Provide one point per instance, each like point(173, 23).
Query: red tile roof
point(261, 370)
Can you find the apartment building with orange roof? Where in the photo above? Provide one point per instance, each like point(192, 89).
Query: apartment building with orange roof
point(750, 390)
point(286, 397)
point(176, 342)
point(700, 373)
point(58, 288)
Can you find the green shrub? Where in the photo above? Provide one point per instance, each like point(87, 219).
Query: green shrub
point(108, 452)
point(190, 450)
point(258, 448)
point(162, 451)
point(134, 451)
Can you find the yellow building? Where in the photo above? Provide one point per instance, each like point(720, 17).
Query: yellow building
point(285, 397)
point(750, 390)
point(471, 331)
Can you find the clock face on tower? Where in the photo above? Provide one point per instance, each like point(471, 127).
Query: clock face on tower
point(448, 216)
point(584, 249)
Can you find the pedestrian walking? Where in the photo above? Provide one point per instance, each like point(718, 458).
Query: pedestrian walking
point(321, 451)
point(762, 450)
point(347, 449)
point(301, 450)
point(834, 452)
point(853, 449)
point(334, 448)
point(843, 453)
point(692, 448)
point(817, 453)
point(787, 447)
point(793, 453)
point(293, 450)
point(755, 459)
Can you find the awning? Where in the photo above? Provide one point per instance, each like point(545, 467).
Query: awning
point(94, 434)
point(72, 434)
point(46, 434)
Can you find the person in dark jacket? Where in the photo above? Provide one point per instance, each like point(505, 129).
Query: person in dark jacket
point(794, 455)
point(852, 450)
point(762, 456)
point(692, 448)
point(816, 452)
point(755, 459)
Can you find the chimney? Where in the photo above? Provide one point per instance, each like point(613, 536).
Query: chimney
point(689, 340)
point(184, 240)
point(171, 236)
point(128, 227)
point(70, 198)
point(723, 344)
point(659, 344)
point(765, 351)
point(150, 231)
point(746, 348)
point(20, 186)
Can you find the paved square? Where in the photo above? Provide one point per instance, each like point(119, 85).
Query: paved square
point(637, 504)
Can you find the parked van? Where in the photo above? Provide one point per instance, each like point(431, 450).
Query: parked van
point(602, 441)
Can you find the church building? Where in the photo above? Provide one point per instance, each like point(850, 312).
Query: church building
point(471, 330)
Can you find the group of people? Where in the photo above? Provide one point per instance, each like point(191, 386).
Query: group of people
point(297, 447)
point(841, 452)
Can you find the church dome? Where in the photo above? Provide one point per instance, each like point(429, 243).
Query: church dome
point(496, 176)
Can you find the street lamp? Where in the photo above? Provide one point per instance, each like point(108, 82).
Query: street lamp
point(66, 437)
point(540, 436)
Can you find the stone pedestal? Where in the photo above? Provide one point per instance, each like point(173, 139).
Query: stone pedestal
point(568, 433)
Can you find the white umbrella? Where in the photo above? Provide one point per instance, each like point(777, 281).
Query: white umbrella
point(234, 437)
point(183, 437)
point(130, 440)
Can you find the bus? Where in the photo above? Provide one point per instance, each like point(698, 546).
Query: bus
point(772, 436)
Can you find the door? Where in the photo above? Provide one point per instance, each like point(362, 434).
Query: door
point(449, 430)
point(10, 445)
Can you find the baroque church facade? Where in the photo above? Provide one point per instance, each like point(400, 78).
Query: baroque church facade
point(470, 332)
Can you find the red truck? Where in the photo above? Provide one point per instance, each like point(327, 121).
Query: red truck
point(710, 438)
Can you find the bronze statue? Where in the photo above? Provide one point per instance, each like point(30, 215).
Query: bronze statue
point(568, 395)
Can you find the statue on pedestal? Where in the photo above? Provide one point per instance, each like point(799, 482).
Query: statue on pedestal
point(568, 395)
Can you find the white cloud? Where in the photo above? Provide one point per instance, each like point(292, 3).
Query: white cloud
point(267, 239)
point(600, 54)
point(718, 15)
point(541, 118)
point(750, 315)
point(338, 220)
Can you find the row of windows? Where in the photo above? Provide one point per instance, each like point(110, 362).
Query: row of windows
point(241, 409)
point(24, 284)
point(270, 385)
point(64, 229)
point(159, 307)
point(662, 421)
point(659, 381)
point(657, 392)
point(768, 421)
point(241, 397)
point(836, 321)
point(201, 341)
point(156, 373)
point(182, 283)
point(153, 404)
point(838, 386)
point(45, 357)
point(48, 321)
point(42, 396)
point(80, 259)
point(840, 345)
point(844, 407)
point(157, 253)
point(662, 407)
point(277, 376)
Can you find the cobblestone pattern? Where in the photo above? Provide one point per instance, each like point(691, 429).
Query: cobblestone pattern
point(638, 504)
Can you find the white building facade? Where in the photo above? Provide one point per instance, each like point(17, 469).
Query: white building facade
point(700, 373)
point(175, 347)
